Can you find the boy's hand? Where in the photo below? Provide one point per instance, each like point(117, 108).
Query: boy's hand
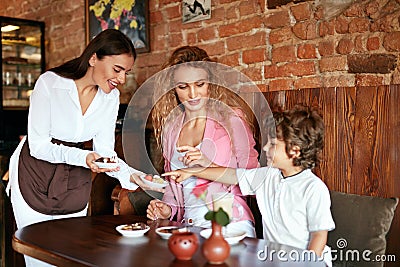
point(178, 175)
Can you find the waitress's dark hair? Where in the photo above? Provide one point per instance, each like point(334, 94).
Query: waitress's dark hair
point(107, 43)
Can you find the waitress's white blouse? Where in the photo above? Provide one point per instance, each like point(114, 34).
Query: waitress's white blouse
point(55, 112)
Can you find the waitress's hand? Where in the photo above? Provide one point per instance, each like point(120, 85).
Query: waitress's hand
point(194, 157)
point(137, 180)
point(91, 157)
point(158, 210)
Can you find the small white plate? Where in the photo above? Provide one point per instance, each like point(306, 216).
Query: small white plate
point(166, 231)
point(107, 165)
point(132, 233)
point(152, 184)
point(232, 237)
point(103, 165)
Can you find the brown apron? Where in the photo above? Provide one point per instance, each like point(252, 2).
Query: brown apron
point(53, 189)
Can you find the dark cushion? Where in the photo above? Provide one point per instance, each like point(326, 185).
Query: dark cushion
point(362, 223)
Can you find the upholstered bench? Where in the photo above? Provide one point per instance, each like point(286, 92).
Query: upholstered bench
point(362, 223)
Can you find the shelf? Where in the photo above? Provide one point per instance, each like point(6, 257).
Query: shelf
point(15, 103)
point(17, 87)
point(23, 65)
point(23, 43)
point(23, 60)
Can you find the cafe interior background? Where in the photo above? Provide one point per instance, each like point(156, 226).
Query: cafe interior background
point(339, 56)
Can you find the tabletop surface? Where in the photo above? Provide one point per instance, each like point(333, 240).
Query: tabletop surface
point(93, 241)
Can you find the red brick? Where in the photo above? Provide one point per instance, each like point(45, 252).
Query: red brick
point(326, 48)
point(371, 8)
point(174, 26)
point(217, 15)
point(254, 55)
point(231, 13)
point(271, 71)
point(245, 41)
point(283, 54)
point(239, 27)
point(175, 39)
point(391, 41)
point(359, 25)
point(253, 73)
point(191, 38)
point(282, 35)
point(301, 11)
point(150, 59)
point(173, 12)
point(247, 8)
point(338, 80)
point(359, 44)
point(206, 34)
point(390, 7)
point(165, 2)
point(341, 25)
point(330, 64)
point(306, 30)
point(355, 10)
point(308, 82)
point(306, 51)
point(345, 46)
point(277, 19)
point(319, 13)
point(156, 17)
point(214, 49)
point(262, 87)
point(368, 80)
point(280, 84)
point(326, 28)
point(373, 43)
point(298, 68)
point(230, 60)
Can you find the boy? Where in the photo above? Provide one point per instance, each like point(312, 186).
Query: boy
point(294, 203)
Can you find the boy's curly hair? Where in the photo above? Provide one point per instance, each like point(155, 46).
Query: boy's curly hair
point(301, 126)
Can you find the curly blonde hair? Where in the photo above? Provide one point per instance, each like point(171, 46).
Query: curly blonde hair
point(167, 107)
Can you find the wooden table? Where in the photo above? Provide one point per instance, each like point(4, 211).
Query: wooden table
point(93, 241)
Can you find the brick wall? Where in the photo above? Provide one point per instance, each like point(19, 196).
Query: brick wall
point(289, 47)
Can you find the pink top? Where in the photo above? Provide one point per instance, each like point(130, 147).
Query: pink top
point(234, 149)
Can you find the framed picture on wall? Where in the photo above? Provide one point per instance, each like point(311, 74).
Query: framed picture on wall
point(130, 17)
point(195, 10)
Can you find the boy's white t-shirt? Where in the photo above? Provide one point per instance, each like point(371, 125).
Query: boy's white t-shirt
point(291, 207)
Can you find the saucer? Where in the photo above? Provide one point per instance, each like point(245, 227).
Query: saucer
point(232, 237)
point(132, 232)
point(153, 184)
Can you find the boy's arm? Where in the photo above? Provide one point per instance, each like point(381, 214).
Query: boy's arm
point(219, 174)
point(318, 241)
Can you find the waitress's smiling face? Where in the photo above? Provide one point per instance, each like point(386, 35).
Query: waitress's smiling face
point(111, 71)
point(191, 87)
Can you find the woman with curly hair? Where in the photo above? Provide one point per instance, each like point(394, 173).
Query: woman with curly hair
point(199, 122)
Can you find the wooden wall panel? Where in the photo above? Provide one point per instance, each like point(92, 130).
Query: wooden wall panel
point(393, 168)
point(362, 136)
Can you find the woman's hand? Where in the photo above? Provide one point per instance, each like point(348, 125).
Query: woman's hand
point(137, 180)
point(158, 210)
point(90, 161)
point(194, 157)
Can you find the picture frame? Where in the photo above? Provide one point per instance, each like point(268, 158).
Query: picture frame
point(195, 10)
point(132, 20)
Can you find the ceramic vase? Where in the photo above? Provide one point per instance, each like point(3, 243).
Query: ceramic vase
point(183, 245)
point(216, 249)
